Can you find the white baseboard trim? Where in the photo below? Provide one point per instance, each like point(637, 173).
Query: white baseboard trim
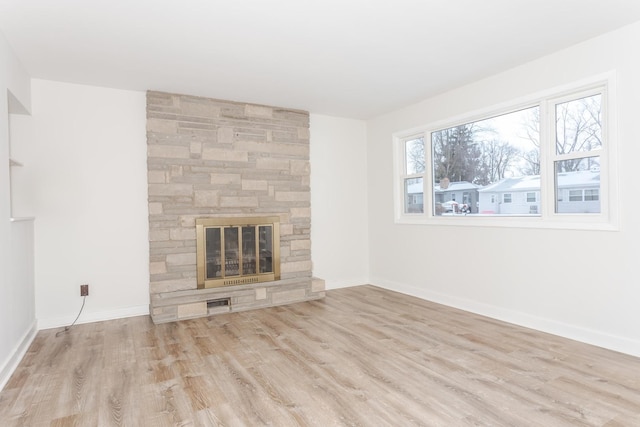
point(9, 367)
point(344, 283)
point(574, 332)
point(98, 316)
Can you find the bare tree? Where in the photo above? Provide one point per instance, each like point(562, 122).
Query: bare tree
point(415, 156)
point(530, 159)
point(497, 159)
point(578, 128)
point(530, 162)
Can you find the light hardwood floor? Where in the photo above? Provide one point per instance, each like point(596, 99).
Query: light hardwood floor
point(363, 356)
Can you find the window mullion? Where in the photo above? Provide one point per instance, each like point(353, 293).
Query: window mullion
point(547, 158)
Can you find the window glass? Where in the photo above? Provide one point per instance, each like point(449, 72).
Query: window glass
point(543, 160)
point(414, 156)
point(413, 194)
point(580, 180)
point(483, 159)
point(579, 125)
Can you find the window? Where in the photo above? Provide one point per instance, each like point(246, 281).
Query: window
point(591, 195)
point(575, 195)
point(544, 162)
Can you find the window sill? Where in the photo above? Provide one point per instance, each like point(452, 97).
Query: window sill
point(561, 223)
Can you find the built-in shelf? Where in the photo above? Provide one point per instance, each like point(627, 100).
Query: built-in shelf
point(22, 218)
point(14, 163)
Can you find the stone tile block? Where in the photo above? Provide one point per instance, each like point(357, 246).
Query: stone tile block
point(286, 229)
point(225, 135)
point(210, 153)
point(192, 310)
point(293, 196)
point(182, 233)
point(238, 202)
point(168, 151)
point(157, 177)
point(157, 267)
point(254, 185)
point(170, 189)
point(273, 164)
point(161, 286)
point(155, 208)
point(317, 285)
point(226, 178)
point(293, 295)
point(158, 235)
point(300, 245)
point(297, 266)
point(181, 259)
point(300, 167)
point(273, 148)
point(303, 133)
point(300, 212)
point(261, 293)
point(195, 148)
point(251, 110)
point(199, 109)
point(162, 126)
point(207, 198)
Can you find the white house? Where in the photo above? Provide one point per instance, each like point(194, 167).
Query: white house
point(577, 192)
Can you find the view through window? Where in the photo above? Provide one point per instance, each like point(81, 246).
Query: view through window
point(494, 166)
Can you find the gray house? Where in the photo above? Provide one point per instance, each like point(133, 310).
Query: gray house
point(461, 192)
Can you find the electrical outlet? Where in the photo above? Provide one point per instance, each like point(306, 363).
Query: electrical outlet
point(84, 290)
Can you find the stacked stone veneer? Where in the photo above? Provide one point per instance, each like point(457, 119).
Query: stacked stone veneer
point(213, 158)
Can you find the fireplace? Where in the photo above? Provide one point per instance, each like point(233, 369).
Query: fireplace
point(237, 251)
point(229, 207)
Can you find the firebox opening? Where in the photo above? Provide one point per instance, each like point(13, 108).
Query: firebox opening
point(237, 251)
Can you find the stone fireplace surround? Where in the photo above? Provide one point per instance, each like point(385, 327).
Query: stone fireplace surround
point(214, 158)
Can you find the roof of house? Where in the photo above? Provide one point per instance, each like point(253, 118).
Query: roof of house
point(457, 186)
point(453, 186)
point(574, 179)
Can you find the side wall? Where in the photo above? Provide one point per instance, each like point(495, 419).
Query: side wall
point(339, 232)
point(84, 180)
point(17, 312)
point(579, 284)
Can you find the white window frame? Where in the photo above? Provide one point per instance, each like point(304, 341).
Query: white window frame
point(607, 219)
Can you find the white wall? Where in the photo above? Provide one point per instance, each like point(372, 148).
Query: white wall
point(84, 179)
point(580, 284)
point(339, 231)
point(17, 313)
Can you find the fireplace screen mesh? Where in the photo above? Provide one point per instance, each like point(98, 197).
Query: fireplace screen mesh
point(235, 251)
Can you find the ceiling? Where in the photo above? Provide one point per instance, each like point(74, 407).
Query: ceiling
point(347, 58)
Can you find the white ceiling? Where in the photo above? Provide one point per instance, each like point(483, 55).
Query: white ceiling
point(348, 58)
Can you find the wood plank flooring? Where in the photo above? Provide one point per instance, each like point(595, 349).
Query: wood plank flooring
point(363, 356)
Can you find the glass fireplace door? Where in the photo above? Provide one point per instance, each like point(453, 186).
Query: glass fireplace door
point(240, 252)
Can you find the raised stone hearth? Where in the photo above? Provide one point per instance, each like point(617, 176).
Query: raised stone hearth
point(209, 158)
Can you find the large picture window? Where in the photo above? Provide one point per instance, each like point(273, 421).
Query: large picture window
point(541, 161)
